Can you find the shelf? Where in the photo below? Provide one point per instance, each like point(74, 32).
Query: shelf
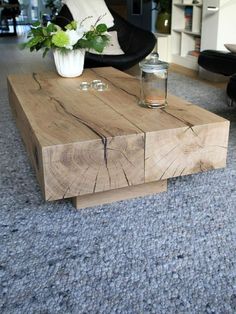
point(161, 34)
point(187, 32)
point(187, 5)
point(194, 28)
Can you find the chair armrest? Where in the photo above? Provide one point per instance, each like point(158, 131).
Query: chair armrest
point(220, 62)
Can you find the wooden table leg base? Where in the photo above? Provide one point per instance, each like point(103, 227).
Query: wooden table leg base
point(119, 194)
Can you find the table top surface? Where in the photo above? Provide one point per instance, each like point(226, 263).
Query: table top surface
point(60, 113)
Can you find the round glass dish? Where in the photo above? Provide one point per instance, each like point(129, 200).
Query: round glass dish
point(95, 82)
point(100, 87)
point(84, 86)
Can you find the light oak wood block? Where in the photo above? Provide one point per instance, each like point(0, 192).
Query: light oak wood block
point(30, 140)
point(84, 143)
point(200, 145)
point(180, 139)
point(93, 166)
point(185, 151)
point(120, 194)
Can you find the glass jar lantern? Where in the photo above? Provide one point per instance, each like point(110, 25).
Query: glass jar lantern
point(154, 82)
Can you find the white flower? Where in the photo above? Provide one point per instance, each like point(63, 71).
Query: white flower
point(81, 30)
point(74, 36)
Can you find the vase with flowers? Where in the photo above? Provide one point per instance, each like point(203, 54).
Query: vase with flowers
point(68, 44)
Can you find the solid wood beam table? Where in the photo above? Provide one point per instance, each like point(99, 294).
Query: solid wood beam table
point(98, 147)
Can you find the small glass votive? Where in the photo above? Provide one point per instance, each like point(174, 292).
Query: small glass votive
point(95, 82)
point(84, 86)
point(100, 87)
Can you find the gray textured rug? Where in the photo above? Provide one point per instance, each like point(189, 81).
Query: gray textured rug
point(169, 253)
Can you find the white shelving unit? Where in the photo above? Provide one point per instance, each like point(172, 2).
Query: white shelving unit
point(163, 46)
point(184, 39)
point(213, 22)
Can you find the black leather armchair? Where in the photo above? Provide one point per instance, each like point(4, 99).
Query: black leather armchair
point(135, 42)
point(221, 62)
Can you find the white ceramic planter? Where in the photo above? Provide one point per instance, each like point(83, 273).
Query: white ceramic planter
point(69, 64)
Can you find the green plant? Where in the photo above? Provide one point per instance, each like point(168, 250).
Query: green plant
point(74, 36)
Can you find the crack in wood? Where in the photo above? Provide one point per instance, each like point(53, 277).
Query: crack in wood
point(168, 168)
point(123, 116)
point(69, 187)
point(109, 177)
point(36, 158)
point(36, 80)
point(191, 128)
point(95, 183)
point(182, 120)
point(207, 166)
point(104, 141)
point(100, 135)
point(175, 170)
point(117, 150)
point(170, 151)
point(201, 164)
point(126, 177)
point(81, 181)
point(144, 156)
point(182, 171)
point(177, 109)
point(112, 83)
point(64, 195)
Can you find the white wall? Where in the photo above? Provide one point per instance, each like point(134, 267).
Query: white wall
point(227, 24)
point(218, 27)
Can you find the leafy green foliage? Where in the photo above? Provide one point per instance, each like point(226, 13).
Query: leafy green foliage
point(72, 37)
point(95, 39)
point(71, 26)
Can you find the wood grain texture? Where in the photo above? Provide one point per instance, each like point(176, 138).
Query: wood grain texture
point(93, 166)
point(120, 194)
point(30, 140)
point(86, 146)
point(185, 151)
point(180, 139)
point(91, 142)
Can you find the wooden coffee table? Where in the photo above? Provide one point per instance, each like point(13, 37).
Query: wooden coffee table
point(98, 147)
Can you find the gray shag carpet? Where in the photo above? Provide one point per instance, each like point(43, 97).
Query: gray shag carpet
point(173, 252)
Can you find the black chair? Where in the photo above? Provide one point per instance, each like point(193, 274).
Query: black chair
point(221, 62)
point(135, 42)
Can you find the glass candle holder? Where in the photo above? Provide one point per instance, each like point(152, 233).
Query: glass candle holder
point(154, 75)
point(95, 82)
point(84, 86)
point(100, 86)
